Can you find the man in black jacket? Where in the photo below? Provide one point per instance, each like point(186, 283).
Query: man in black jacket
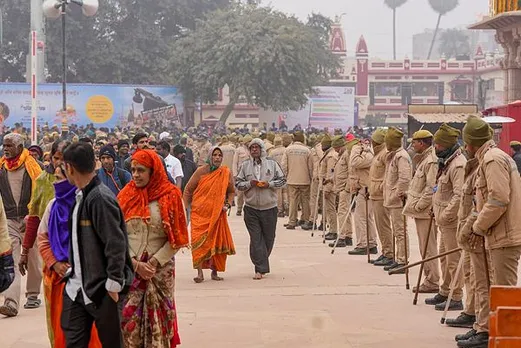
point(101, 268)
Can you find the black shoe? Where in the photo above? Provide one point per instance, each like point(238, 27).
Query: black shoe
point(308, 226)
point(479, 340)
point(383, 262)
point(280, 214)
point(453, 306)
point(380, 258)
point(363, 251)
point(331, 236)
point(301, 222)
point(394, 264)
point(290, 227)
point(349, 241)
point(398, 265)
point(437, 299)
point(341, 243)
point(465, 336)
point(463, 320)
point(320, 228)
point(239, 213)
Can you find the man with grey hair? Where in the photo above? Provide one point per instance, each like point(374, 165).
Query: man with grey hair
point(259, 178)
point(18, 174)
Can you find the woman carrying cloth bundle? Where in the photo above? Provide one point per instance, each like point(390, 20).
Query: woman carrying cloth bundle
point(156, 226)
point(210, 192)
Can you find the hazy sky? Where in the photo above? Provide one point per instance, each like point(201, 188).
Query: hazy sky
point(373, 19)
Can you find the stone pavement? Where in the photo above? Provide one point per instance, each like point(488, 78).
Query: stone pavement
point(311, 299)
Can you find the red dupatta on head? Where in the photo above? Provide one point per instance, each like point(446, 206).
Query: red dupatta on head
point(135, 201)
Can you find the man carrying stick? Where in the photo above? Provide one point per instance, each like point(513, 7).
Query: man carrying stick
point(398, 174)
point(419, 207)
point(496, 218)
point(446, 200)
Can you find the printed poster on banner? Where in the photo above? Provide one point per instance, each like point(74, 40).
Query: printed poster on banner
point(102, 105)
point(333, 107)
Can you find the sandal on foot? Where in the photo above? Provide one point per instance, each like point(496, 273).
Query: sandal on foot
point(257, 276)
point(32, 303)
point(9, 308)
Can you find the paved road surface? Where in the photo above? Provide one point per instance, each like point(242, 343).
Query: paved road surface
point(311, 299)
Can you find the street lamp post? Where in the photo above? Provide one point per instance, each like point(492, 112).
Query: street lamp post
point(58, 8)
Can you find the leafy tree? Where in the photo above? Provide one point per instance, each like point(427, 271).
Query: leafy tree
point(128, 41)
point(393, 5)
point(442, 7)
point(15, 44)
point(454, 43)
point(270, 59)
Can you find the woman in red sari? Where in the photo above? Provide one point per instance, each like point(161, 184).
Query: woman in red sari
point(210, 192)
point(156, 227)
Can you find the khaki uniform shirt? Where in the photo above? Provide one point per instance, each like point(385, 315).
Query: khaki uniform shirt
point(447, 193)
point(341, 179)
point(360, 164)
point(419, 195)
point(316, 155)
point(242, 154)
point(498, 198)
point(398, 174)
point(276, 153)
point(377, 173)
point(327, 169)
point(298, 164)
point(228, 153)
point(204, 150)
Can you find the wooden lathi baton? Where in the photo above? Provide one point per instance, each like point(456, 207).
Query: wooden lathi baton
point(400, 269)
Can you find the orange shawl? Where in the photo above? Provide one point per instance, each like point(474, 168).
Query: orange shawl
point(135, 201)
point(211, 237)
point(31, 165)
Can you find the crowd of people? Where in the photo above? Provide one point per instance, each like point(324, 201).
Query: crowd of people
point(107, 211)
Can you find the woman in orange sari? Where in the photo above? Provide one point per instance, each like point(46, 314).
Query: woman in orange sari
point(156, 227)
point(210, 192)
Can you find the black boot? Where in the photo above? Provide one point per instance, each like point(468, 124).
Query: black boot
point(398, 265)
point(380, 258)
point(363, 251)
point(463, 320)
point(280, 214)
point(453, 306)
point(479, 340)
point(437, 299)
point(349, 241)
point(331, 236)
point(301, 223)
point(341, 243)
point(239, 213)
point(465, 336)
point(308, 226)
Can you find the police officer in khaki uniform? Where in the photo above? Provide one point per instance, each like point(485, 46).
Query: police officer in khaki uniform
point(203, 147)
point(496, 217)
point(316, 156)
point(382, 215)
point(359, 165)
point(327, 173)
point(419, 206)
point(277, 152)
point(341, 181)
point(228, 151)
point(242, 154)
point(268, 142)
point(298, 165)
point(467, 318)
point(398, 174)
point(446, 201)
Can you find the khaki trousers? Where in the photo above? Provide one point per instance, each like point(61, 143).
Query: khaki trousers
point(382, 218)
point(364, 218)
point(431, 269)
point(330, 209)
point(298, 194)
point(34, 268)
point(470, 285)
point(313, 199)
point(481, 291)
point(240, 201)
point(399, 235)
point(505, 262)
point(344, 204)
point(449, 263)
